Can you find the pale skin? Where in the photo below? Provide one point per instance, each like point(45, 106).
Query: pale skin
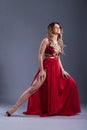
point(42, 74)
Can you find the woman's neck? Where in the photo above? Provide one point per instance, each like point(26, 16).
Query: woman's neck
point(54, 38)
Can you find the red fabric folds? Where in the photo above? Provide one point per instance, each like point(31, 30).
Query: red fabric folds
point(57, 95)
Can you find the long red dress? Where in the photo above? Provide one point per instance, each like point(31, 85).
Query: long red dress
point(57, 95)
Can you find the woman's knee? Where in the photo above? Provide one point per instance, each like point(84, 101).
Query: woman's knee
point(36, 85)
point(32, 90)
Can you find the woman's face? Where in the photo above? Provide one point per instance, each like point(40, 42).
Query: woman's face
point(56, 29)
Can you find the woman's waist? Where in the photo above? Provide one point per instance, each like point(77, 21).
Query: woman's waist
point(50, 61)
point(51, 55)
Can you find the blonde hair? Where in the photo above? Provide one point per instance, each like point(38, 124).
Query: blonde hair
point(50, 33)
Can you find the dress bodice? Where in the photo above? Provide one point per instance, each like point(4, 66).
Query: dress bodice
point(53, 49)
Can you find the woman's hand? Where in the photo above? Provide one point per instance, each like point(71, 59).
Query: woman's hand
point(65, 74)
point(42, 74)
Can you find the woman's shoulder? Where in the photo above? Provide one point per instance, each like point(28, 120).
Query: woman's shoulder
point(45, 40)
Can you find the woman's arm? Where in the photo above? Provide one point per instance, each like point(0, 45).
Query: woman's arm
point(41, 52)
point(40, 57)
point(64, 73)
point(61, 66)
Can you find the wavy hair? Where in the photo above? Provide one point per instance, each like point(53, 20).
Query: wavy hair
point(50, 33)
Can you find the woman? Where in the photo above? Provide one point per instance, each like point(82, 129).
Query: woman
point(53, 91)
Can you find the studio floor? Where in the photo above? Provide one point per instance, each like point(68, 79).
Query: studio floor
point(18, 121)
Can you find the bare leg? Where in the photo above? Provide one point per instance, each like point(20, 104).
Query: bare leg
point(31, 90)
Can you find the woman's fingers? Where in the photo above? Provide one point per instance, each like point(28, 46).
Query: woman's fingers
point(42, 75)
point(65, 74)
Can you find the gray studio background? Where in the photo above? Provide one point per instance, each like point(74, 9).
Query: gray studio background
point(23, 26)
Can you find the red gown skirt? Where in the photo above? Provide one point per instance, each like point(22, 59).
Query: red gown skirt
point(57, 95)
